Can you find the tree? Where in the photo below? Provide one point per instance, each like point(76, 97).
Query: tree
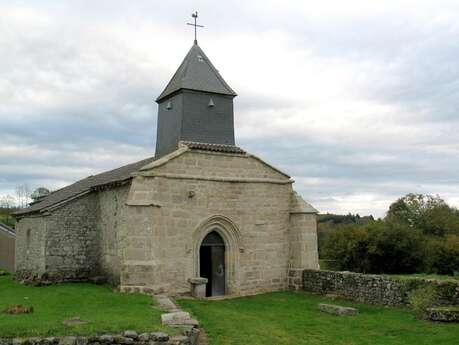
point(378, 247)
point(428, 213)
point(7, 202)
point(347, 246)
point(7, 206)
point(23, 195)
point(443, 255)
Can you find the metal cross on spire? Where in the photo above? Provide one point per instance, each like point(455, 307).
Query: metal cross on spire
point(195, 16)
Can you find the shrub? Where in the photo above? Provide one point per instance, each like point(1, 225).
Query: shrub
point(347, 247)
point(379, 247)
point(420, 234)
point(443, 255)
point(421, 299)
point(394, 248)
point(428, 213)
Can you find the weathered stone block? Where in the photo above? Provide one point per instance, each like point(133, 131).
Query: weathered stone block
point(337, 310)
point(81, 341)
point(68, 341)
point(198, 287)
point(130, 334)
point(144, 337)
point(119, 339)
point(106, 339)
point(51, 341)
point(159, 336)
point(176, 318)
point(180, 340)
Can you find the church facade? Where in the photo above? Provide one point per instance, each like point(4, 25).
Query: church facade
point(201, 207)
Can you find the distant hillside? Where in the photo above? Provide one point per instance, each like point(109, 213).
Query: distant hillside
point(329, 221)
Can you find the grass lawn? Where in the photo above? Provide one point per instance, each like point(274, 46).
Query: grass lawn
point(287, 318)
point(7, 219)
point(424, 276)
point(106, 311)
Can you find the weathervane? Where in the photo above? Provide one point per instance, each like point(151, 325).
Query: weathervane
point(195, 16)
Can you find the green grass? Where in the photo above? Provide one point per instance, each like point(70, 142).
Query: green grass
point(448, 308)
point(287, 318)
point(326, 265)
point(424, 276)
point(7, 219)
point(106, 311)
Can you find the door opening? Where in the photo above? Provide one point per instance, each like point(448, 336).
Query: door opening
point(212, 263)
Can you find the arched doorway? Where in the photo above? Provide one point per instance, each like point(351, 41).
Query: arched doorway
point(212, 263)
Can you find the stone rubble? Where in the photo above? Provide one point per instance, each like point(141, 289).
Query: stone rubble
point(127, 337)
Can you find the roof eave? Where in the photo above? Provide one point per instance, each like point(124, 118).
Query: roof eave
point(175, 92)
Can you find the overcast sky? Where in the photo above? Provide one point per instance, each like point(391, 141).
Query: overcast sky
point(357, 100)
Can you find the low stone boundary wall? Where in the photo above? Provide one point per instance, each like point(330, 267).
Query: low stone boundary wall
point(372, 289)
point(127, 338)
point(443, 314)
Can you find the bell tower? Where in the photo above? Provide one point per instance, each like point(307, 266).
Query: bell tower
point(196, 105)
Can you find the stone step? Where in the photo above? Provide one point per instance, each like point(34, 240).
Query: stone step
point(176, 318)
point(166, 303)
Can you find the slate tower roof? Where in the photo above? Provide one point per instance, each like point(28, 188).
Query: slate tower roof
point(196, 72)
point(196, 106)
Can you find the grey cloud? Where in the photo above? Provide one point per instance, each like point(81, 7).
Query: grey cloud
point(81, 95)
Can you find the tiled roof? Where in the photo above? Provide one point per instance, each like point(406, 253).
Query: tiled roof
point(212, 147)
point(113, 176)
point(197, 73)
point(86, 185)
point(7, 229)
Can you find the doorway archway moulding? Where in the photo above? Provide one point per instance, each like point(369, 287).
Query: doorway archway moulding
point(232, 238)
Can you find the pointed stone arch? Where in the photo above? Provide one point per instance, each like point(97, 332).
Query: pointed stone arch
point(231, 236)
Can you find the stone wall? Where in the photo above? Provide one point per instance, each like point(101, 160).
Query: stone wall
point(7, 243)
point(376, 289)
point(127, 338)
point(111, 217)
point(303, 241)
point(61, 245)
point(72, 240)
point(30, 248)
point(295, 279)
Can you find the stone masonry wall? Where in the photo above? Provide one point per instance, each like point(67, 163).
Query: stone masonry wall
point(111, 217)
point(170, 204)
point(375, 289)
point(30, 247)
point(303, 241)
point(72, 241)
point(126, 338)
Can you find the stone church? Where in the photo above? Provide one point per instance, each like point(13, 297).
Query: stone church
point(201, 207)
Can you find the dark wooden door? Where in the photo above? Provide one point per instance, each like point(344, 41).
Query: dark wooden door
point(212, 264)
point(218, 270)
